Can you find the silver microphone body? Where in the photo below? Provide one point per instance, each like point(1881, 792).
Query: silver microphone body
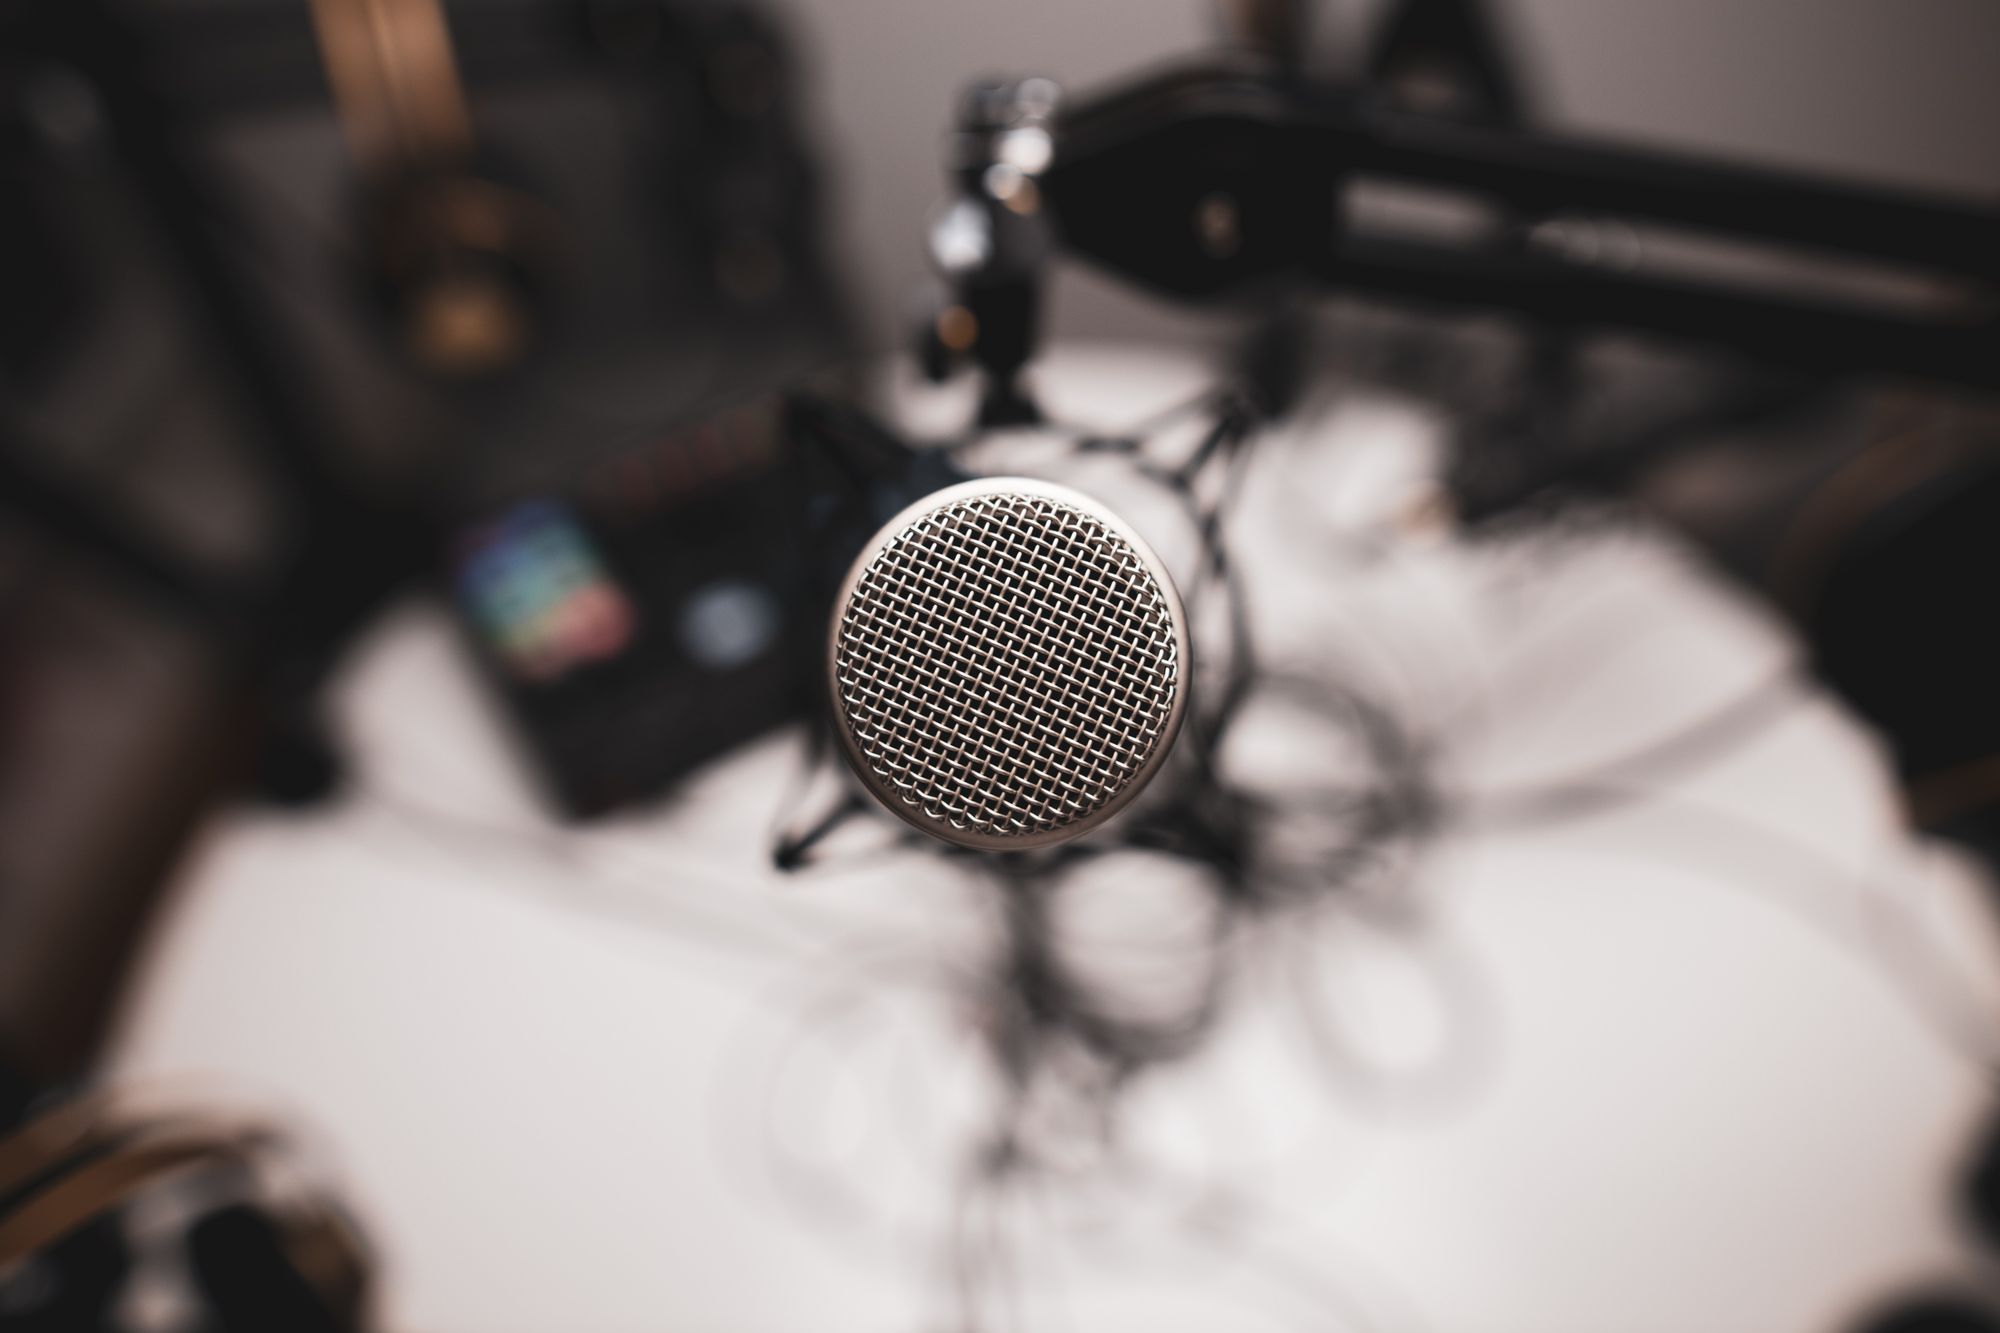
point(1008, 663)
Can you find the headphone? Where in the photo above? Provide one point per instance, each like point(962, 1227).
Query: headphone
point(261, 1246)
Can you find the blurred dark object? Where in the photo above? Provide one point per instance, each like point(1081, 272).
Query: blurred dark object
point(102, 1209)
point(992, 243)
point(647, 619)
point(249, 1274)
point(458, 257)
point(72, 1286)
point(1868, 520)
point(1979, 1185)
point(1277, 29)
point(272, 348)
point(118, 726)
point(1893, 627)
point(1942, 1312)
point(48, 295)
point(1447, 57)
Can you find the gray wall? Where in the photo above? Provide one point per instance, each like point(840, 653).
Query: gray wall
point(1905, 90)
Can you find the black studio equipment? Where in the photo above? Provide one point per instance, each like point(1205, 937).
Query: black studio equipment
point(463, 258)
point(313, 306)
point(1421, 185)
point(1225, 183)
point(647, 617)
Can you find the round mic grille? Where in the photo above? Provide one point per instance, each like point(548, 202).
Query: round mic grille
point(1008, 663)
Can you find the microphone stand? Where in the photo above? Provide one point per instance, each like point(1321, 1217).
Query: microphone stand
point(1231, 183)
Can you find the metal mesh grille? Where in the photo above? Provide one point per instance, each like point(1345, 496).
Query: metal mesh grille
point(1007, 664)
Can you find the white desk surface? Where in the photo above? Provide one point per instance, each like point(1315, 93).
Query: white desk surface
point(1698, 1065)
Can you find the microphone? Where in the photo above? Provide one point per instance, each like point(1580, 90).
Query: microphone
point(1008, 663)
